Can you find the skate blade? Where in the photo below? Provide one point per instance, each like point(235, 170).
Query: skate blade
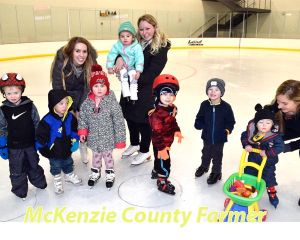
point(145, 161)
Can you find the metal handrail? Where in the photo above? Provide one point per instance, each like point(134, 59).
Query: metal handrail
point(202, 26)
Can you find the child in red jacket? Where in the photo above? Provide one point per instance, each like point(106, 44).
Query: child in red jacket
point(164, 129)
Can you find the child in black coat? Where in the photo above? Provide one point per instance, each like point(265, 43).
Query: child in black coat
point(216, 120)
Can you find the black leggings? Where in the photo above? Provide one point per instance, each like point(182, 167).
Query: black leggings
point(137, 129)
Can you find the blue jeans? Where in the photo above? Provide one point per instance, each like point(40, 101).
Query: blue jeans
point(58, 165)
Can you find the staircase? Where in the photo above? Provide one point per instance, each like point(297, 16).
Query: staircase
point(240, 10)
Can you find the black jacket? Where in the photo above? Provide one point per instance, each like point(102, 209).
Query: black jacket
point(214, 120)
point(153, 66)
point(75, 86)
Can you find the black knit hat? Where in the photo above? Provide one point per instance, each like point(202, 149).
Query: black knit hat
point(55, 96)
point(263, 113)
point(216, 82)
point(166, 88)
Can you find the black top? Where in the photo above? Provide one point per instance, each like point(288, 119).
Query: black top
point(20, 123)
point(153, 66)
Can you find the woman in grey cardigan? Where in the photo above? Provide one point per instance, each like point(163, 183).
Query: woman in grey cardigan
point(102, 125)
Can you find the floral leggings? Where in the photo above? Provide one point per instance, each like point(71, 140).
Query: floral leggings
point(107, 157)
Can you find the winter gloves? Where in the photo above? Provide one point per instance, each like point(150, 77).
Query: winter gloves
point(3, 148)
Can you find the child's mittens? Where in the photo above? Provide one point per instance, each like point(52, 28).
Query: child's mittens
point(120, 145)
point(3, 148)
point(75, 145)
point(179, 136)
point(4, 152)
point(163, 154)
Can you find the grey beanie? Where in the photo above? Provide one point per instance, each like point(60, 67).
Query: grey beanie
point(216, 82)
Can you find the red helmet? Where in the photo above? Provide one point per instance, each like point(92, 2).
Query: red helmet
point(165, 80)
point(12, 79)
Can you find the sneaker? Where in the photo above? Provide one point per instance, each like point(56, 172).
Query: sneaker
point(83, 153)
point(94, 176)
point(110, 177)
point(73, 178)
point(58, 184)
point(141, 158)
point(213, 178)
point(272, 196)
point(200, 171)
point(130, 150)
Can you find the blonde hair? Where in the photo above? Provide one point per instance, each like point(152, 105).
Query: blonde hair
point(68, 50)
point(159, 38)
point(291, 89)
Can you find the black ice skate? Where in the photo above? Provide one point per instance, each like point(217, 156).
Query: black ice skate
point(164, 185)
point(110, 178)
point(94, 176)
point(272, 196)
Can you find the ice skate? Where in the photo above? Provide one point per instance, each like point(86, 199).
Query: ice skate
point(164, 185)
point(154, 174)
point(133, 92)
point(272, 196)
point(141, 158)
point(58, 184)
point(73, 178)
point(110, 178)
point(94, 177)
point(124, 83)
point(130, 150)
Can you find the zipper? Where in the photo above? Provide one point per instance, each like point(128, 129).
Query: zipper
point(213, 127)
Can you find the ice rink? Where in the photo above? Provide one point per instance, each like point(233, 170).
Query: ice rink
point(251, 77)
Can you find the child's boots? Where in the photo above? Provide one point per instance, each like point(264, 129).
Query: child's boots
point(272, 196)
point(94, 176)
point(213, 178)
point(73, 178)
point(164, 185)
point(200, 171)
point(58, 184)
point(110, 177)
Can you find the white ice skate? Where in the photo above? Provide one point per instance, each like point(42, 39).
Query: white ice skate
point(124, 83)
point(110, 178)
point(73, 178)
point(58, 184)
point(94, 177)
point(130, 150)
point(141, 158)
point(133, 91)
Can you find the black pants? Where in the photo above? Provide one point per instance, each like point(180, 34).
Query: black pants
point(24, 163)
point(162, 167)
point(214, 153)
point(140, 129)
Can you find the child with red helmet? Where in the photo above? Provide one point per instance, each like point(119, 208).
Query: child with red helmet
point(101, 125)
point(164, 129)
point(18, 121)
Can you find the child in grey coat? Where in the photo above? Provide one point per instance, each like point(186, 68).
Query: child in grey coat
point(102, 125)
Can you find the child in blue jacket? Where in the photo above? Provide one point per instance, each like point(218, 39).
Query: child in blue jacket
point(56, 138)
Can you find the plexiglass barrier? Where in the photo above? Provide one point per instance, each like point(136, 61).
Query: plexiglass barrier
point(20, 24)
